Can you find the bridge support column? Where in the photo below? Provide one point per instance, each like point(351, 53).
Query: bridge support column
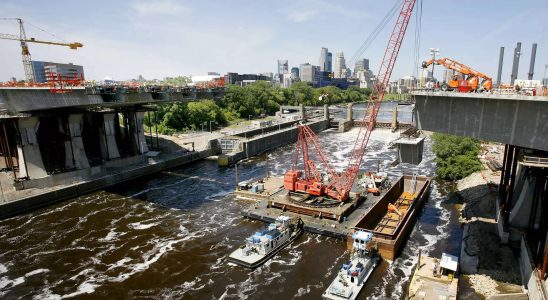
point(302, 112)
point(31, 164)
point(138, 132)
point(107, 140)
point(349, 112)
point(75, 155)
point(326, 112)
point(394, 118)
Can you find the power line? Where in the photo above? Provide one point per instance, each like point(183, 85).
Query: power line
point(369, 40)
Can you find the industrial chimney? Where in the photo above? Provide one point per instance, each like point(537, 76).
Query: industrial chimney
point(501, 58)
point(532, 65)
point(515, 64)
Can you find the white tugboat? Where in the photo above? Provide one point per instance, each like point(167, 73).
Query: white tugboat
point(264, 244)
point(354, 274)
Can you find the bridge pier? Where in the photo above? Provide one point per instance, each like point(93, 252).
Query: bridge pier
point(31, 164)
point(107, 140)
point(138, 132)
point(75, 154)
point(349, 112)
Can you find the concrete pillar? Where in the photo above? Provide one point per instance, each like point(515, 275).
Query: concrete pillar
point(30, 158)
point(75, 155)
point(139, 141)
point(302, 112)
point(394, 118)
point(349, 112)
point(107, 140)
point(326, 111)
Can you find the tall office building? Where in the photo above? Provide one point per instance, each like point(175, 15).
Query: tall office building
point(283, 66)
point(329, 62)
point(361, 65)
point(448, 75)
point(424, 77)
point(326, 59)
point(67, 71)
point(340, 66)
point(295, 73)
point(308, 72)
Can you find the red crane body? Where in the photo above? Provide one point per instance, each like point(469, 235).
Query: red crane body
point(338, 186)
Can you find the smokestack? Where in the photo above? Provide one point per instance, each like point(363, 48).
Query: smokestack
point(515, 64)
point(501, 58)
point(532, 65)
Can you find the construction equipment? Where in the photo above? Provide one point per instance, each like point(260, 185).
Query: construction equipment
point(467, 80)
point(338, 185)
point(22, 38)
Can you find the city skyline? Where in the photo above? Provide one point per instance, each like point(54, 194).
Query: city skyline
point(151, 38)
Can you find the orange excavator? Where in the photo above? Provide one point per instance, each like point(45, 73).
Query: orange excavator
point(468, 79)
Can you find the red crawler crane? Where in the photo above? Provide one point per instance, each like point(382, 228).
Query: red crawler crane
point(338, 186)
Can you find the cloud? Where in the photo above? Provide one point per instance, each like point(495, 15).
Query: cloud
point(159, 7)
point(301, 16)
point(305, 10)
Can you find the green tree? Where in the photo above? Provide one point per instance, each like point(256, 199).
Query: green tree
point(456, 157)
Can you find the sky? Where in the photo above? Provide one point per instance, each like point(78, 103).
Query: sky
point(162, 38)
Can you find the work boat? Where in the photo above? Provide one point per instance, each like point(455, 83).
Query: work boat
point(264, 244)
point(353, 275)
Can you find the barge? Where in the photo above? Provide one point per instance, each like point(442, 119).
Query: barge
point(392, 218)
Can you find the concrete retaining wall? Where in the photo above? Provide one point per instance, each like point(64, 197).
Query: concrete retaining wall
point(83, 187)
point(529, 275)
point(277, 139)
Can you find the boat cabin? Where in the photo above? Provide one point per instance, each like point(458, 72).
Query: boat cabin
point(264, 241)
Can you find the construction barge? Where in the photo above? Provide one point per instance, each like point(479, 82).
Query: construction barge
point(392, 218)
point(368, 212)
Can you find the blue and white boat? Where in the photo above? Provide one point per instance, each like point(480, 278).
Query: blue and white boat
point(264, 244)
point(353, 275)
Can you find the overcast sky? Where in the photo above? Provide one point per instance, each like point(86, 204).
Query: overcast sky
point(159, 38)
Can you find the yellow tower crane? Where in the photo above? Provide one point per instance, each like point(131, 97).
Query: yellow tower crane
point(22, 38)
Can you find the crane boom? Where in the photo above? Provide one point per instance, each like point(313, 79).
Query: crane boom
point(339, 185)
point(383, 78)
point(25, 53)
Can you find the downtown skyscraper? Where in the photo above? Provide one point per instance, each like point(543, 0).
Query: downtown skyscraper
point(326, 59)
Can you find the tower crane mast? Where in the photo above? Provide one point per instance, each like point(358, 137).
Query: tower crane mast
point(25, 53)
point(338, 186)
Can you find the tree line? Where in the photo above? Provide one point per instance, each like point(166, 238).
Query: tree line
point(243, 102)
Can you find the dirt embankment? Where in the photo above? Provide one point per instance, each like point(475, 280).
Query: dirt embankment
point(489, 267)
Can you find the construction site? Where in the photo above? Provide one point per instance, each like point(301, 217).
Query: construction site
point(73, 148)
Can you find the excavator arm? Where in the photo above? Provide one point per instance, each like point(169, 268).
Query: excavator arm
point(451, 64)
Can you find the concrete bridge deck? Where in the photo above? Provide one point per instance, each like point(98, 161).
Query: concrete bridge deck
point(510, 119)
point(14, 100)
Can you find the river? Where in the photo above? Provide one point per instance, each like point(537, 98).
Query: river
point(167, 236)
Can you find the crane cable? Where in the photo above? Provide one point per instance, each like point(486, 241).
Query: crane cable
point(29, 23)
point(49, 33)
point(369, 40)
